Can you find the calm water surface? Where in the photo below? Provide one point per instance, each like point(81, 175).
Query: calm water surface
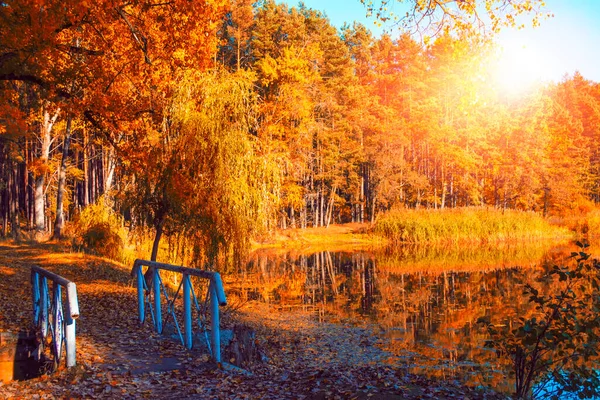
point(424, 302)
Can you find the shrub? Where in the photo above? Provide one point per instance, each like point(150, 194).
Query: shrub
point(101, 239)
point(554, 353)
point(98, 230)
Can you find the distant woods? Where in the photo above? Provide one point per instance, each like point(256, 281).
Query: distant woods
point(269, 117)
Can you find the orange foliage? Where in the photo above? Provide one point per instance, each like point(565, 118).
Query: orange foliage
point(108, 59)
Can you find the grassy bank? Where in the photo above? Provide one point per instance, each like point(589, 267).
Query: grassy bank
point(465, 225)
point(426, 226)
point(346, 237)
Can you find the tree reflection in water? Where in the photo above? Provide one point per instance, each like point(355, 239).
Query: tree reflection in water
point(424, 302)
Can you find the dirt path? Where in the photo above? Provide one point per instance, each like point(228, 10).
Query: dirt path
point(119, 359)
point(110, 341)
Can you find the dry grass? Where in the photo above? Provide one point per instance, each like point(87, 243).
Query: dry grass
point(466, 225)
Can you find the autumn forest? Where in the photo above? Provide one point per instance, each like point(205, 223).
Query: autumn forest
point(239, 120)
point(412, 191)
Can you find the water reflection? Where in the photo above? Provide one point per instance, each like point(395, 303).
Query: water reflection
point(424, 301)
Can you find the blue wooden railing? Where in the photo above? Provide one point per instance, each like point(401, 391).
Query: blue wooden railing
point(216, 297)
point(48, 314)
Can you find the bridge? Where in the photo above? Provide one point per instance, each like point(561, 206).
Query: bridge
point(185, 306)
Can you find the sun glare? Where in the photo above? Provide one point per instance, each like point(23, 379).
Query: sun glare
point(519, 68)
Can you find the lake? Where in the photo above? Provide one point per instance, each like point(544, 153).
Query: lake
point(423, 302)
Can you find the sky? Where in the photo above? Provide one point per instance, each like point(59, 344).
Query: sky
point(568, 42)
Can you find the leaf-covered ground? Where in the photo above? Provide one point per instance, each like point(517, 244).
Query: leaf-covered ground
point(303, 358)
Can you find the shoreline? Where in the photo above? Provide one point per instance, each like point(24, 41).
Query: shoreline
point(357, 237)
point(335, 237)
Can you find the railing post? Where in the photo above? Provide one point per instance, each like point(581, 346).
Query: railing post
point(187, 311)
point(70, 341)
point(157, 314)
point(215, 334)
point(72, 313)
point(140, 293)
point(35, 285)
point(58, 321)
point(44, 295)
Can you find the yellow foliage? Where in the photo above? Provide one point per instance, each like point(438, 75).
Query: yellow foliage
point(98, 230)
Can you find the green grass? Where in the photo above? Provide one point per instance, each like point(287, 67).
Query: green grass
point(465, 225)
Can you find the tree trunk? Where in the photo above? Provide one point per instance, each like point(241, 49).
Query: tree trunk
point(92, 177)
point(373, 209)
point(110, 169)
point(313, 207)
point(40, 180)
point(157, 236)
point(361, 211)
point(320, 206)
point(4, 207)
point(329, 211)
point(149, 274)
point(62, 177)
point(30, 203)
point(15, 228)
point(292, 217)
point(86, 169)
point(27, 186)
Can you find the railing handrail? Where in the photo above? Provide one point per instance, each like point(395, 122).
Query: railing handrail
point(213, 276)
point(72, 303)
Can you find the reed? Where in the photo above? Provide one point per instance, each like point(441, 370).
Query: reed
point(465, 225)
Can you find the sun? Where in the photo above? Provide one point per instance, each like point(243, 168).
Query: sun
point(520, 67)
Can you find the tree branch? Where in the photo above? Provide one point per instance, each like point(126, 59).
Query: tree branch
point(141, 40)
point(11, 76)
point(24, 78)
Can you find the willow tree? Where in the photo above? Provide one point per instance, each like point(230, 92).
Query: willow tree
point(202, 178)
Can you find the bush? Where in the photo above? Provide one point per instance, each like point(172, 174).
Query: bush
point(98, 230)
point(101, 239)
point(554, 353)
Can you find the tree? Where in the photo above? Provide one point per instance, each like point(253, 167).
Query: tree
point(107, 62)
point(580, 98)
point(235, 49)
point(201, 177)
